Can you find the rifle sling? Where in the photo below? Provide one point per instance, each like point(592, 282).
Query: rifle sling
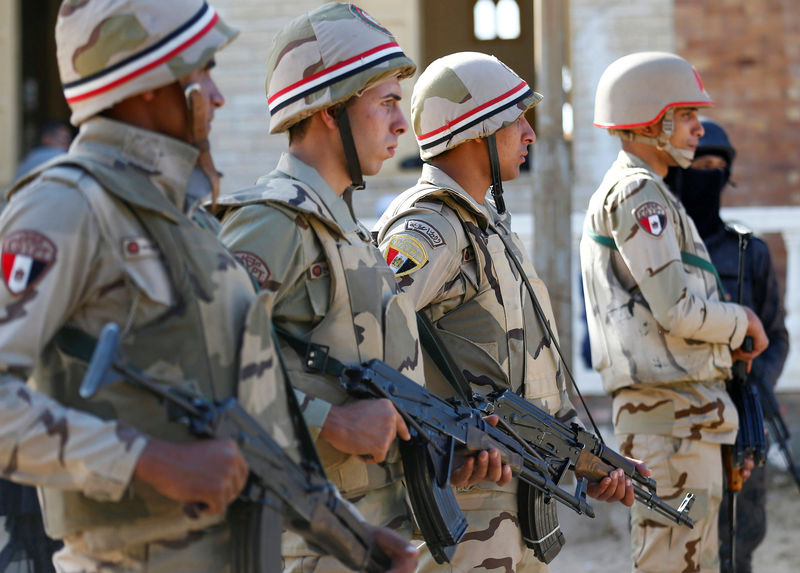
point(687, 258)
point(443, 360)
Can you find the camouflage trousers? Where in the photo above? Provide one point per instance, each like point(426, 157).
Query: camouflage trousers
point(679, 466)
point(385, 506)
point(751, 520)
point(493, 541)
point(206, 551)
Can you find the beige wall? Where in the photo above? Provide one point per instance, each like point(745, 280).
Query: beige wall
point(602, 31)
point(9, 90)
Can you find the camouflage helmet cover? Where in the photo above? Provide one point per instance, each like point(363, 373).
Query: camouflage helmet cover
point(464, 96)
point(325, 57)
point(109, 50)
point(636, 90)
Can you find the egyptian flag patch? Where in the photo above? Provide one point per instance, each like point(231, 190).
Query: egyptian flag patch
point(27, 256)
point(651, 217)
point(404, 255)
point(255, 265)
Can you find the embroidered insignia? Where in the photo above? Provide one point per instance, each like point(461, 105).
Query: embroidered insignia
point(431, 234)
point(652, 217)
point(138, 247)
point(27, 256)
point(367, 19)
point(257, 268)
point(318, 271)
point(404, 255)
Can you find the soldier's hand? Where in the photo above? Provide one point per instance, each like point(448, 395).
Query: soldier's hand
point(745, 470)
point(483, 466)
point(400, 551)
point(616, 486)
point(755, 330)
point(365, 428)
point(210, 473)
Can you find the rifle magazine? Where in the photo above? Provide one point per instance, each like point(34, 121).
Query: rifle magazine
point(432, 500)
point(538, 519)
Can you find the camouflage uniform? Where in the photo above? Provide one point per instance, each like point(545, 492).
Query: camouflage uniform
point(105, 234)
point(332, 288)
point(447, 254)
point(483, 314)
point(661, 340)
point(112, 271)
point(298, 238)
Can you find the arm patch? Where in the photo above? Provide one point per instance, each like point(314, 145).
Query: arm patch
point(404, 254)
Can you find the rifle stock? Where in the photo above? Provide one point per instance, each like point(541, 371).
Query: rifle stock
point(309, 502)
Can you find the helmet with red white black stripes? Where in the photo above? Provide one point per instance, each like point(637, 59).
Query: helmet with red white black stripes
point(464, 96)
point(109, 50)
point(326, 56)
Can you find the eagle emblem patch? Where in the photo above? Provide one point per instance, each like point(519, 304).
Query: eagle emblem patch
point(404, 255)
point(652, 217)
point(27, 256)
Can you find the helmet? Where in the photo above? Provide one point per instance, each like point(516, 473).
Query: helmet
point(326, 56)
point(109, 50)
point(640, 89)
point(465, 96)
point(715, 142)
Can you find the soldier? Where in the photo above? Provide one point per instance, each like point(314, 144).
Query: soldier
point(333, 82)
point(450, 248)
point(700, 188)
point(104, 234)
point(661, 338)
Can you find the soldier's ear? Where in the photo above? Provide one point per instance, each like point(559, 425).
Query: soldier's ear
point(328, 117)
point(651, 130)
point(148, 95)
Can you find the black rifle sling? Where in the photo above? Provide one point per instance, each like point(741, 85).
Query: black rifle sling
point(546, 324)
point(430, 341)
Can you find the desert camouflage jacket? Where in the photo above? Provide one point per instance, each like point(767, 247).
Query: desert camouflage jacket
point(446, 252)
point(76, 255)
point(660, 335)
point(299, 240)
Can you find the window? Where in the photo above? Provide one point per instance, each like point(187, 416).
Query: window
point(496, 20)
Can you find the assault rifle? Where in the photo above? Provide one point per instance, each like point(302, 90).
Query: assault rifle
point(308, 501)
point(778, 431)
point(441, 428)
point(578, 449)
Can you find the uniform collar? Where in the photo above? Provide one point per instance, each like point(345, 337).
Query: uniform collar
point(168, 161)
point(626, 159)
point(292, 167)
point(432, 175)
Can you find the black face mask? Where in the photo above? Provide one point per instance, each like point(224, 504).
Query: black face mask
point(699, 190)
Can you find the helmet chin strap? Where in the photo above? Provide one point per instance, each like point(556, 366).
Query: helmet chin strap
point(197, 115)
point(683, 157)
point(497, 182)
point(351, 155)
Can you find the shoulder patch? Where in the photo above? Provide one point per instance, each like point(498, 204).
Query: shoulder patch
point(255, 265)
point(431, 233)
point(404, 255)
point(26, 257)
point(651, 217)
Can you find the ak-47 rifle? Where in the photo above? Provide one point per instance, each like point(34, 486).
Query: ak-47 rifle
point(309, 502)
point(750, 439)
point(581, 451)
point(440, 428)
point(778, 431)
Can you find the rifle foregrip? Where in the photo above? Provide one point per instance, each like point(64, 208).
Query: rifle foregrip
point(478, 441)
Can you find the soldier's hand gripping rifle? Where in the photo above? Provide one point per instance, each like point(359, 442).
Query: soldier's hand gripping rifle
point(750, 440)
point(440, 429)
point(309, 502)
point(581, 451)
